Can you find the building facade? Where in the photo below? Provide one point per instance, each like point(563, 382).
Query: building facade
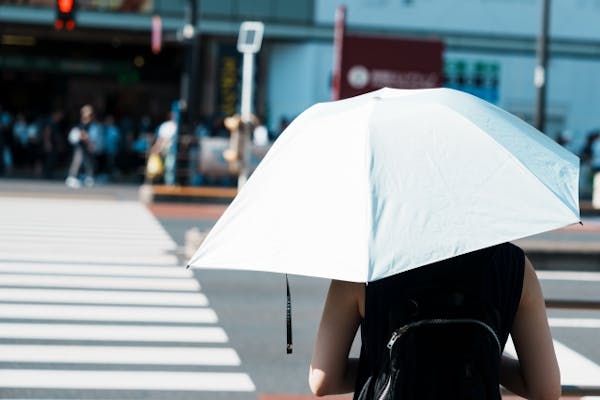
point(107, 59)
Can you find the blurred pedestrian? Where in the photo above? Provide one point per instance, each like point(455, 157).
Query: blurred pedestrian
point(283, 124)
point(594, 163)
point(83, 149)
point(260, 134)
point(51, 133)
point(594, 151)
point(6, 158)
point(164, 145)
point(218, 128)
point(233, 153)
point(19, 131)
point(34, 146)
point(112, 145)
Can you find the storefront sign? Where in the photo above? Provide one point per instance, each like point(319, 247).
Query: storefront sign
point(370, 63)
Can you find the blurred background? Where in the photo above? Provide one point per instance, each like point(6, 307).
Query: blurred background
point(132, 60)
point(104, 103)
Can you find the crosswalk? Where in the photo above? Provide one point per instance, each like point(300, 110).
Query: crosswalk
point(93, 304)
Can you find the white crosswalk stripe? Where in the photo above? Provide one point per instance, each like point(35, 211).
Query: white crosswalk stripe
point(103, 297)
point(120, 333)
point(575, 369)
point(127, 380)
point(92, 298)
point(118, 355)
point(89, 269)
point(97, 282)
point(108, 313)
point(569, 276)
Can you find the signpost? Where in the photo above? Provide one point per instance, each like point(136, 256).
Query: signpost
point(249, 42)
point(540, 74)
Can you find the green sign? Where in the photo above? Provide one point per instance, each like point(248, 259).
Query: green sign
point(480, 78)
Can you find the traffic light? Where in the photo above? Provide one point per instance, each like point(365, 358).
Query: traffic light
point(65, 14)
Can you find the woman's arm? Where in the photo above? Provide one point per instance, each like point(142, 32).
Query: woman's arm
point(331, 371)
point(535, 375)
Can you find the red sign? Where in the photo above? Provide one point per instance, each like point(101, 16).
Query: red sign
point(156, 34)
point(370, 63)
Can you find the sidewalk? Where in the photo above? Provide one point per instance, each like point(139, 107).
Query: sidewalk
point(58, 189)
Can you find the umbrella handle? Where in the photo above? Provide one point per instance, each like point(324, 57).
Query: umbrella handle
point(288, 317)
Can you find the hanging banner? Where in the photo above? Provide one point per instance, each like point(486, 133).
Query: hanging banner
point(370, 63)
point(338, 41)
point(156, 34)
point(228, 79)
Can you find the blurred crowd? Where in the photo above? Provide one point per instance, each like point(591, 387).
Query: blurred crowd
point(588, 151)
point(88, 148)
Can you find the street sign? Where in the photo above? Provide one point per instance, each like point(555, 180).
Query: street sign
point(249, 41)
point(250, 37)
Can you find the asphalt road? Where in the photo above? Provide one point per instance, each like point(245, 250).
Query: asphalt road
point(68, 262)
point(251, 307)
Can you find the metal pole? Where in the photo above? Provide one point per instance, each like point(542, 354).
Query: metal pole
point(194, 90)
point(247, 71)
point(246, 118)
point(338, 45)
point(540, 78)
point(189, 76)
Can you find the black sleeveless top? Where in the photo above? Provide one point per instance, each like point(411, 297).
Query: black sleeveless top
point(492, 277)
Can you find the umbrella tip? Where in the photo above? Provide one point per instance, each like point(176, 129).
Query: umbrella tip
point(187, 266)
point(581, 223)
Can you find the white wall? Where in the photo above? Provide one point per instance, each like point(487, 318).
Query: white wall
point(300, 73)
point(299, 76)
point(573, 93)
point(576, 84)
point(575, 19)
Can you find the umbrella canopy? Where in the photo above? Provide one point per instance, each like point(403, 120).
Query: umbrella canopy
point(367, 187)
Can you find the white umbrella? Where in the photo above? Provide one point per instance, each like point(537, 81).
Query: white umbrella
point(367, 187)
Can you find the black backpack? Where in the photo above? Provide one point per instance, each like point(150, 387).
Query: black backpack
point(431, 357)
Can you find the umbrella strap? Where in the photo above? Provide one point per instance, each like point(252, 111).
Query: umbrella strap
point(288, 317)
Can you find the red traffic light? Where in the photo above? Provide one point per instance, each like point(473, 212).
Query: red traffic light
point(65, 6)
point(65, 14)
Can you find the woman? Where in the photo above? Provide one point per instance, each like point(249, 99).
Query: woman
point(508, 281)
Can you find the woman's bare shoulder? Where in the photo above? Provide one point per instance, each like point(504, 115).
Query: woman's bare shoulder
point(350, 291)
